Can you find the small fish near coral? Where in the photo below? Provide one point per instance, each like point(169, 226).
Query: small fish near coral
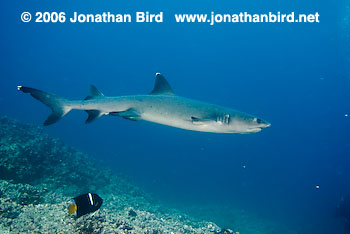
point(85, 204)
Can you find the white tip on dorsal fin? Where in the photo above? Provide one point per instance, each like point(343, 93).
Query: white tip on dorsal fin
point(161, 86)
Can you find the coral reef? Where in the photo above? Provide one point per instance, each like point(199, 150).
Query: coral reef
point(39, 175)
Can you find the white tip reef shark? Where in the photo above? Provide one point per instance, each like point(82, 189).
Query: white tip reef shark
point(161, 106)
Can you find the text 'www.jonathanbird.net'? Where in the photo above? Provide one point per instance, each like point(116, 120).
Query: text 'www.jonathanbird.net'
point(244, 17)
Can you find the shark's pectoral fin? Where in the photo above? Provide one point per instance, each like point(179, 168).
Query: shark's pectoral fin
point(130, 114)
point(200, 121)
point(93, 115)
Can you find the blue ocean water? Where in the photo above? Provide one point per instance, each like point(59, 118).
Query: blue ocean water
point(296, 76)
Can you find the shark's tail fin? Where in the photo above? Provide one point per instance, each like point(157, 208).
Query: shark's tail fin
point(58, 105)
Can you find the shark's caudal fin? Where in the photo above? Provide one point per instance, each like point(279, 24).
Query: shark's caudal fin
point(57, 104)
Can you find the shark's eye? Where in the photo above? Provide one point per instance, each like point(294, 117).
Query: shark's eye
point(259, 121)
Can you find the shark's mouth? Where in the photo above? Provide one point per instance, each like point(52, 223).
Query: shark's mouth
point(256, 129)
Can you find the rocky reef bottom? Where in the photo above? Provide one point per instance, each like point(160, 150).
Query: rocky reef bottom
point(34, 209)
point(39, 175)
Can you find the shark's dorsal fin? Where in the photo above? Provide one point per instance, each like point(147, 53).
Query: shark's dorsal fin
point(161, 86)
point(94, 93)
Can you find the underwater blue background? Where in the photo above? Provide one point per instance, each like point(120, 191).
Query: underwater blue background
point(296, 76)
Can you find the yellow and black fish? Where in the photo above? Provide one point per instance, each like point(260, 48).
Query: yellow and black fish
point(85, 204)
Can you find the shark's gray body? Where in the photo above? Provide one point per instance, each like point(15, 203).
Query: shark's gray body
point(160, 106)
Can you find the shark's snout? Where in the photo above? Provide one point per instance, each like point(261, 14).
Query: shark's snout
point(266, 124)
point(261, 123)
